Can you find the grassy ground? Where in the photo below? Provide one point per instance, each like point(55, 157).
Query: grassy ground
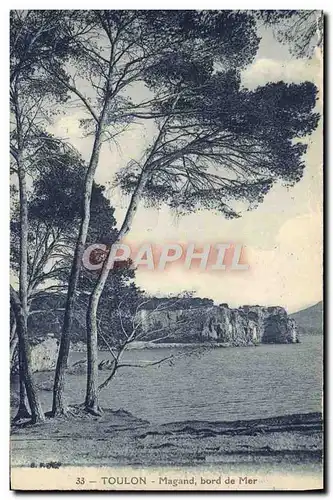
point(118, 438)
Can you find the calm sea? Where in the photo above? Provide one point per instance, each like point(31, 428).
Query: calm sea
point(215, 384)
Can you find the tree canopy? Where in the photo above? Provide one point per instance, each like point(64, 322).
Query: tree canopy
point(224, 143)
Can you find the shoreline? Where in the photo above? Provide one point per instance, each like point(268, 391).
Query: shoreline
point(140, 345)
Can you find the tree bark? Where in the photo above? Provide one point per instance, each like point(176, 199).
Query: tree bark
point(22, 411)
point(13, 340)
point(58, 406)
point(92, 334)
point(16, 359)
point(20, 304)
point(91, 401)
point(37, 414)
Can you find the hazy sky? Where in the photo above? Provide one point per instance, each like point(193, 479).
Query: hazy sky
point(283, 236)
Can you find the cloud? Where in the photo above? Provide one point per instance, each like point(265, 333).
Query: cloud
point(264, 70)
point(289, 275)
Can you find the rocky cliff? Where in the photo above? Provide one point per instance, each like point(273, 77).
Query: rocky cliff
point(246, 325)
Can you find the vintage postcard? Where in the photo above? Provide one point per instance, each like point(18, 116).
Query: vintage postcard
point(166, 298)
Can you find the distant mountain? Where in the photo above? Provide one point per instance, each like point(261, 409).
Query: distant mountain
point(310, 320)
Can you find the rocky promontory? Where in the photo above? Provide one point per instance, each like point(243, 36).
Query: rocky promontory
point(191, 323)
point(246, 325)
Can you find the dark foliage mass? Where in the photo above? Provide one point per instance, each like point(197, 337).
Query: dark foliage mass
point(57, 198)
point(54, 211)
point(225, 143)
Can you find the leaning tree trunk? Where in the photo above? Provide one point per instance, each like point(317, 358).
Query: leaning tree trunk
point(58, 406)
point(92, 335)
point(16, 361)
point(22, 411)
point(20, 303)
point(37, 414)
point(91, 402)
point(13, 342)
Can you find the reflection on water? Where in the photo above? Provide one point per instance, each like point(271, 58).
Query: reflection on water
point(215, 384)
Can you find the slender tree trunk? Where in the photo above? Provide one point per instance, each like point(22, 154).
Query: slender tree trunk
point(22, 411)
point(37, 414)
point(91, 401)
point(16, 359)
point(22, 406)
point(13, 340)
point(58, 406)
point(92, 334)
point(20, 304)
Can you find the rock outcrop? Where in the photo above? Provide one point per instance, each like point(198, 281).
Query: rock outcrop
point(247, 325)
point(43, 356)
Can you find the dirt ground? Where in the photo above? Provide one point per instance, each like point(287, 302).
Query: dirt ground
point(119, 438)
